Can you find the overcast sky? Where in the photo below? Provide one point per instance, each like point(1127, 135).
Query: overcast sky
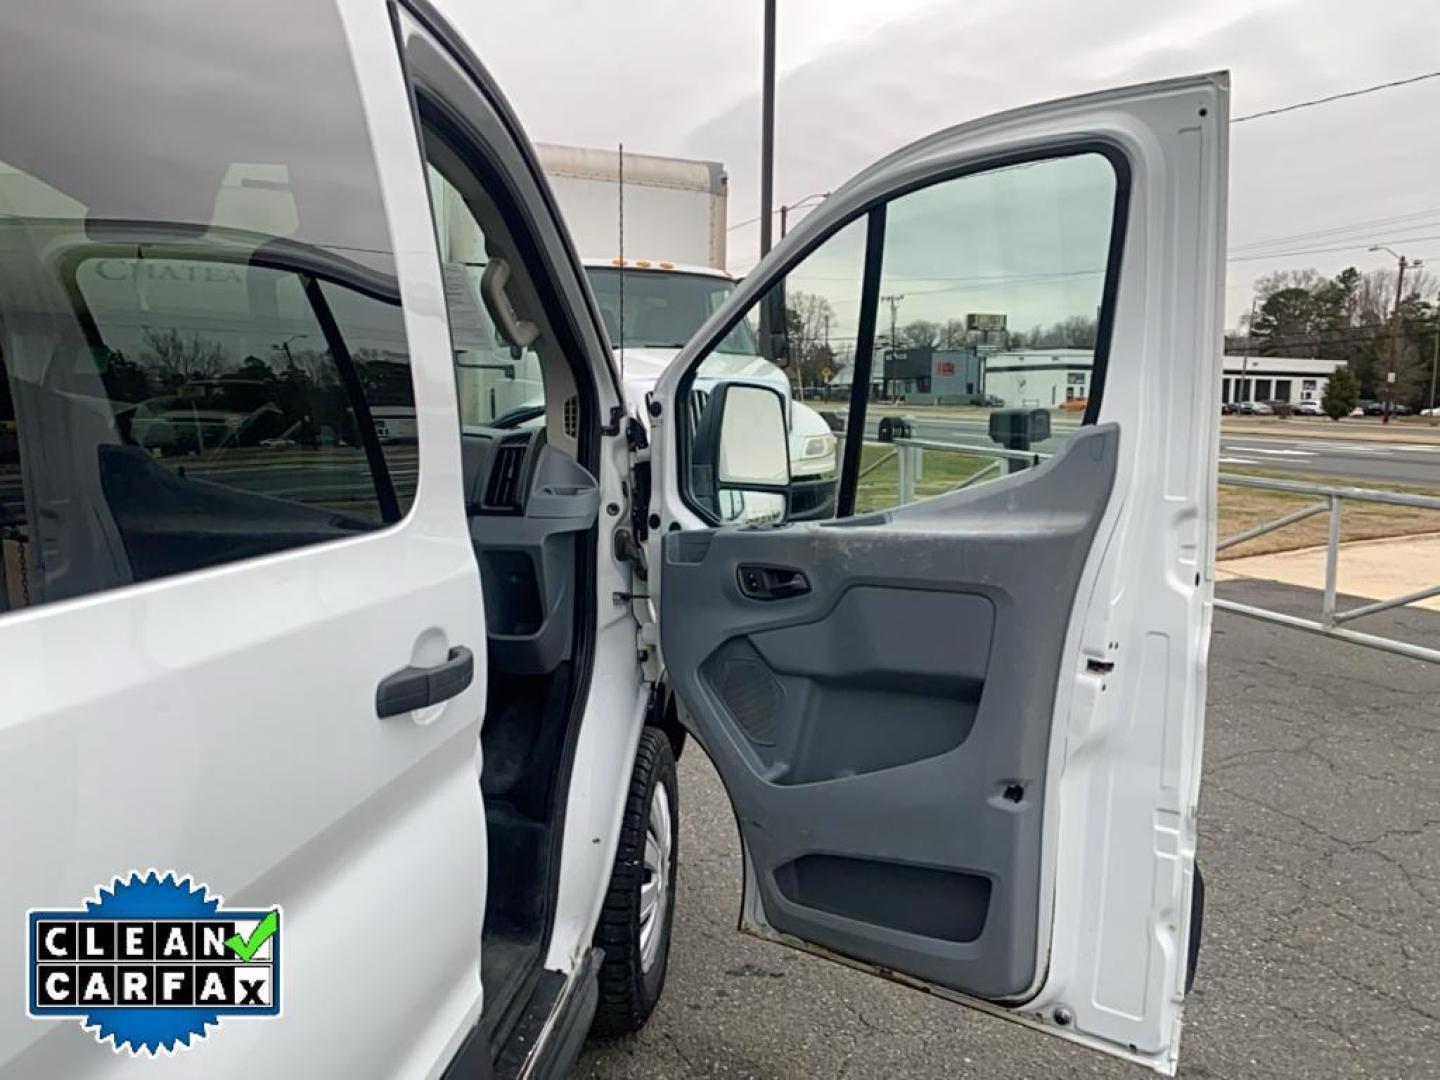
point(857, 80)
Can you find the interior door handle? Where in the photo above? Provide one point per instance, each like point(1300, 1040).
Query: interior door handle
point(772, 582)
point(415, 687)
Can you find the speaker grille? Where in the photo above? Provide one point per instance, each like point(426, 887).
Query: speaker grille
point(748, 690)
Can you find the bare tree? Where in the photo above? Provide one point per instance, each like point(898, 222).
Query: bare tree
point(954, 334)
point(177, 358)
point(921, 333)
point(1076, 332)
point(807, 327)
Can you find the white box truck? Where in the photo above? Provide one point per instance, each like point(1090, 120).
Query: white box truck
point(674, 277)
point(675, 208)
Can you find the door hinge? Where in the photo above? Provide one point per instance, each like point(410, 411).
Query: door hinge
point(635, 434)
point(628, 551)
point(617, 417)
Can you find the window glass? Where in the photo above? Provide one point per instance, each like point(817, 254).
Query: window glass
point(495, 381)
point(663, 308)
point(201, 346)
point(799, 340)
point(989, 296)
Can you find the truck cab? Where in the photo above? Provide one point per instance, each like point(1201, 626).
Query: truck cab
point(650, 309)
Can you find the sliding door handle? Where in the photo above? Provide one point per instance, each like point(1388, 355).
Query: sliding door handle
point(415, 687)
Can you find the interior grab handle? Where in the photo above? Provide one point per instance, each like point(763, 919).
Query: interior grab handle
point(516, 331)
point(772, 582)
point(413, 688)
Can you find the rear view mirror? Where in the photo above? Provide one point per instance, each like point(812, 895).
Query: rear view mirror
point(740, 460)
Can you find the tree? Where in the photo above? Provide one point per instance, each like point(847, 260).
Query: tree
point(1347, 318)
point(1341, 394)
point(807, 331)
point(177, 358)
point(1076, 332)
point(921, 333)
point(954, 334)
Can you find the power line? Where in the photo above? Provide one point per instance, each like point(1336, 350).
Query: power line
point(1393, 223)
point(1336, 97)
point(1249, 116)
point(1326, 250)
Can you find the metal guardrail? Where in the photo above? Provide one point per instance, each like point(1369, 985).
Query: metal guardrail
point(1332, 621)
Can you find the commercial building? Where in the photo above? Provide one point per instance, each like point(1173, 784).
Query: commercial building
point(1049, 378)
point(1275, 378)
point(921, 374)
point(1039, 378)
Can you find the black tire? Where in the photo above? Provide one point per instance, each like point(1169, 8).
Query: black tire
point(629, 989)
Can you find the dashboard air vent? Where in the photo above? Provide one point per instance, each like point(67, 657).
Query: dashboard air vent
point(502, 492)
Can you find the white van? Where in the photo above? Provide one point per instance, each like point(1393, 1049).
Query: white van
point(393, 717)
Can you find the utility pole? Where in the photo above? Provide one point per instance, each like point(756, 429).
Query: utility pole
point(1394, 328)
point(1245, 363)
point(894, 301)
point(1435, 365)
point(767, 129)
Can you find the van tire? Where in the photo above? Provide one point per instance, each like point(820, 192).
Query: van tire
point(629, 989)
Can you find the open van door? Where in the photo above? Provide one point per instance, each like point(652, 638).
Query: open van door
point(962, 734)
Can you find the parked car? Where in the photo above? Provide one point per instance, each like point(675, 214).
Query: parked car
point(1255, 408)
point(1308, 407)
point(400, 712)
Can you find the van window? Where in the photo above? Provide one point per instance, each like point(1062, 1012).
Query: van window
point(202, 354)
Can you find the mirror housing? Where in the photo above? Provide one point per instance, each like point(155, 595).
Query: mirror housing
point(740, 453)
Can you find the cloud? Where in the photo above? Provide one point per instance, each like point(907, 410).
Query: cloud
point(857, 81)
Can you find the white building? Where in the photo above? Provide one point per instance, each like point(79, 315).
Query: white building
point(1039, 378)
point(1275, 378)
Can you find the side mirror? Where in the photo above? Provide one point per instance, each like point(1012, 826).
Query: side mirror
point(740, 455)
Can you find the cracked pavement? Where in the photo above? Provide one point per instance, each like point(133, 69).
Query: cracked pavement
point(1320, 842)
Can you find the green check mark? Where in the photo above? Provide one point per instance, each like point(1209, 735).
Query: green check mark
point(244, 948)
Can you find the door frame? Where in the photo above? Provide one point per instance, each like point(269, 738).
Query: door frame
point(1159, 529)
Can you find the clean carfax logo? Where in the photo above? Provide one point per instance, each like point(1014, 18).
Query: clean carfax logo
point(150, 962)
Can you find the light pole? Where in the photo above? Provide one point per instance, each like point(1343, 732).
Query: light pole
point(767, 129)
point(1394, 326)
point(797, 205)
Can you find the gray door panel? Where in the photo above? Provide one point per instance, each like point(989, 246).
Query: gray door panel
point(883, 735)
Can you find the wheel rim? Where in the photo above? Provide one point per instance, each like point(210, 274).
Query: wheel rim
point(655, 881)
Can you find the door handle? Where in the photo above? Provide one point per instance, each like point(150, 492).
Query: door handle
point(415, 687)
point(772, 582)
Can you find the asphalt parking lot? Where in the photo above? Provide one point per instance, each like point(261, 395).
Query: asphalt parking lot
point(1320, 840)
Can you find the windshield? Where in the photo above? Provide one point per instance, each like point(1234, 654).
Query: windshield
point(664, 308)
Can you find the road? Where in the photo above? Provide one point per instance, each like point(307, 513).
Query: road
point(1356, 460)
point(1320, 839)
point(1384, 462)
